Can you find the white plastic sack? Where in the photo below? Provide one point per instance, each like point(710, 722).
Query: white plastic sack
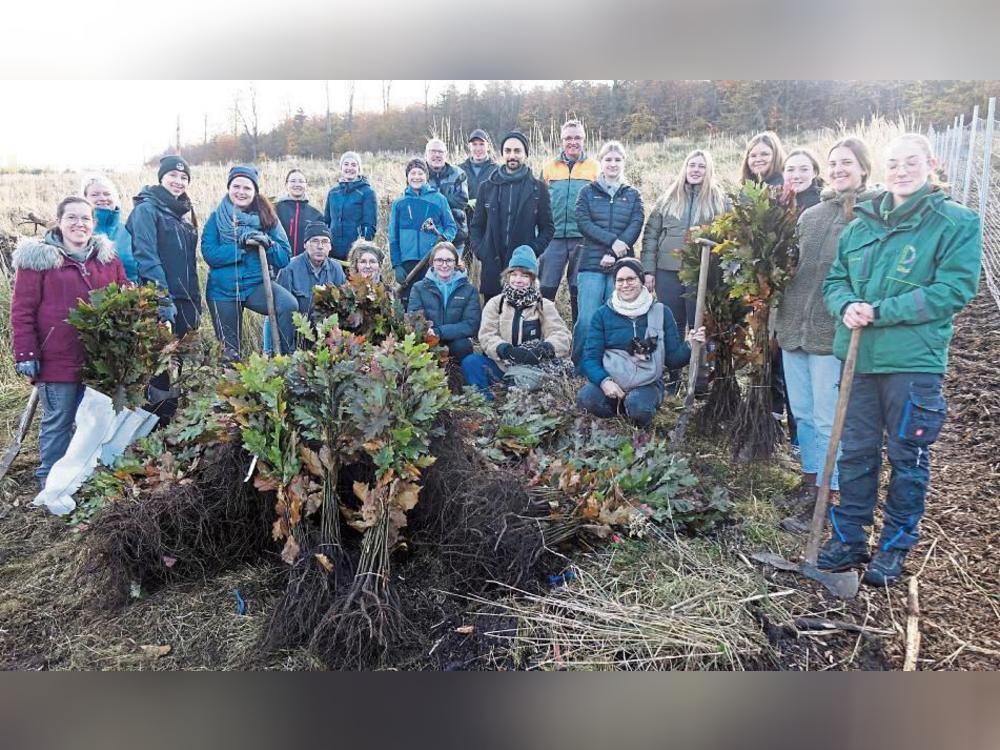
point(101, 435)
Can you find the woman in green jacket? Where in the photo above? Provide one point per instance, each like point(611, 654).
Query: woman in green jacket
point(905, 266)
point(693, 198)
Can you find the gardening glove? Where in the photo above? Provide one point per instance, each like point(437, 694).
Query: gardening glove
point(167, 312)
point(262, 239)
point(504, 350)
point(29, 368)
point(523, 356)
point(545, 350)
point(400, 274)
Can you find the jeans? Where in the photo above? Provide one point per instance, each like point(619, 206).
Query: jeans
point(811, 381)
point(227, 318)
point(640, 404)
point(594, 289)
point(561, 253)
point(59, 403)
point(909, 407)
point(481, 371)
point(670, 291)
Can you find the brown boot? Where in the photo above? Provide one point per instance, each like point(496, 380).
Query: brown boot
point(804, 493)
point(801, 521)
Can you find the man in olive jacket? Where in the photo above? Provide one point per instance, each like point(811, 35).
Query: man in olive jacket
point(512, 209)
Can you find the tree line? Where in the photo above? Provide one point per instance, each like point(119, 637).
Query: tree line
point(625, 110)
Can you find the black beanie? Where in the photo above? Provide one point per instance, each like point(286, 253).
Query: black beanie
point(628, 261)
point(520, 136)
point(173, 163)
point(417, 162)
point(317, 229)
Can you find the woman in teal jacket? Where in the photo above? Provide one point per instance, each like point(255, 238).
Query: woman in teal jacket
point(103, 194)
point(243, 219)
point(905, 266)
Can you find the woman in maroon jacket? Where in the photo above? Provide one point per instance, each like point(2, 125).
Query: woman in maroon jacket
point(52, 275)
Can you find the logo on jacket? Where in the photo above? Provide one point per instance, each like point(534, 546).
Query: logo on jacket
point(907, 257)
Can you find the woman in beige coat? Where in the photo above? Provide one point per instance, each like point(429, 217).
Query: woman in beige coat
point(518, 326)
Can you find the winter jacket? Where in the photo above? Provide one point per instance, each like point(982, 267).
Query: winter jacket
point(603, 219)
point(802, 321)
point(564, 185)
point(612, 330)
point(917, 265)
point(452, 309)
point(808, 197)
point(234, 272)
point(664, 236)
point(505, 324)
point(164, 243)
point(351, 212)
point(299, 277)
point(452, 183)
point(47, 285)
point(475, 179)
point(407, 241)
point(294, 215)
point(109, 223)
point(494, 239)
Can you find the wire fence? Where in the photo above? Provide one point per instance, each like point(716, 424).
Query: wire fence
point(972, 165)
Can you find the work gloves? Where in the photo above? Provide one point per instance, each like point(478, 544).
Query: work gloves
point(29, 368)
point(523, 355)
point(400, 274)
point(261, 238)
point(167, 312)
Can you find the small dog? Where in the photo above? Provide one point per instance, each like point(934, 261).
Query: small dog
point(642, 349)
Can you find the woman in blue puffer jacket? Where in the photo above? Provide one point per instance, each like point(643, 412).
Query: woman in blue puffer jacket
point(244, 218)
point(103, 195)
point(351, 207)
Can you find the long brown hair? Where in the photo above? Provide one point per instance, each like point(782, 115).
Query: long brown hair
point(773, 142)
point(265, 210)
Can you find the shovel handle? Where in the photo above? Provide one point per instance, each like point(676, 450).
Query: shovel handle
point(272, 315)
point(823, 496)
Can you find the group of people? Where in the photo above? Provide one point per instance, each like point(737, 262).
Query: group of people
point(899, 261)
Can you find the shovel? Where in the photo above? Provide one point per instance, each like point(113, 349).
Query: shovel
point(272, 316)
point(677, 436)
point(843, 585)
point(22, 429)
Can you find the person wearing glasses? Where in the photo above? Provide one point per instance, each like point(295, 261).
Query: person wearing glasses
point(448, 301)
point(906, 265)
point(631, 339)
point(314, 267)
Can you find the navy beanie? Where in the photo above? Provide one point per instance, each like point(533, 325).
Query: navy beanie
point(173, 163)
point(629, 261)
point(317, 229)
point(244, 170)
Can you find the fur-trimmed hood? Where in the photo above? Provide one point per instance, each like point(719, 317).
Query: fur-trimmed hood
point(47, 253)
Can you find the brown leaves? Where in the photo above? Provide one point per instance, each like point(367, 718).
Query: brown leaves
point(290, 553)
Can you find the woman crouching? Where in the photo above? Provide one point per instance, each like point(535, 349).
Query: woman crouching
point(631, 339)
point(519, 326)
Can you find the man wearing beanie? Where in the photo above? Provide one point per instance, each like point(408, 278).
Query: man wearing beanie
point(313, 267)
point(565, 175)
point(512, 209)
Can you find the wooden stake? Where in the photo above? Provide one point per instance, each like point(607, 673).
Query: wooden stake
point(912, 627)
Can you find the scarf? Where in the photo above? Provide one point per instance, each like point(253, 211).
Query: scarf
point(178, 205)
point(521, 298)
point(229, 231)
point(505, 176)
point(634, 309)
point(610, 187)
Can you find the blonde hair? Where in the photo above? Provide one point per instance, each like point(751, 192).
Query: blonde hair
point(711, 200)
point(935, 178)
point(609, 147)
point(102, 181)
point(773, 142)
point(361, 247)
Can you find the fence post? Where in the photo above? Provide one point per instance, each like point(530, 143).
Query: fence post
point(984, 185)
point(953, 177)
point(972, 153)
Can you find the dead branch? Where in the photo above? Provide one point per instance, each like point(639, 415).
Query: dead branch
point(822, 623)
point(912, 626)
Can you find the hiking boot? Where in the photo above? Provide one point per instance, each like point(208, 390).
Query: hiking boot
point(886, 567)
point(836, 555)
point(800, 522)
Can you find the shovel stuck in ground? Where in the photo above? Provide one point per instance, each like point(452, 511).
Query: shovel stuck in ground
point(843, 585)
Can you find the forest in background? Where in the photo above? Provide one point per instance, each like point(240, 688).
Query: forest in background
point(633, 111)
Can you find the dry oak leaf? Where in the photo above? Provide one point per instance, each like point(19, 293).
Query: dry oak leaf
point(291, 551)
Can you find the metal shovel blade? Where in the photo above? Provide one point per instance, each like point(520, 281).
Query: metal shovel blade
point(843, 585)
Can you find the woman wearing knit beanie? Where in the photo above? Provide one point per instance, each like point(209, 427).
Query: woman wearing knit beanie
point(519, 327)
point(243, 220)
point(631, 339)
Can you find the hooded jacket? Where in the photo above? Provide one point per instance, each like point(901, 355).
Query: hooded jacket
point(917, 265)
point(475, 179)
point(505, 324)
point(602, 219)
point(109, 223)
point(452, 309)
point(351, 212)
point(802, 321)
point(494, 239)
point(294, 214)
point(234, 273)
point(664, 235)
point(564, 183)
point(164, 243)
point(407, 241)
point(453, 184)
point(47, 285)
point(299, 277)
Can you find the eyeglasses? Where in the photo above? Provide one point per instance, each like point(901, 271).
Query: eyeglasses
point(628, 280)
point(445, 261)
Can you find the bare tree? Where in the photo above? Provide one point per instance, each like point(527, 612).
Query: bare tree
point(205, 131)
point(350, 106)
point(329, 124)
point(386, 90)
point(251, 125)
point(177, 139)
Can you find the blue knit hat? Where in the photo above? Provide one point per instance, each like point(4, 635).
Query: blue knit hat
point(524, 258)
point(244, 170)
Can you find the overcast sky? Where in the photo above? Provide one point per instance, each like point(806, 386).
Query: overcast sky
point(119, 124)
